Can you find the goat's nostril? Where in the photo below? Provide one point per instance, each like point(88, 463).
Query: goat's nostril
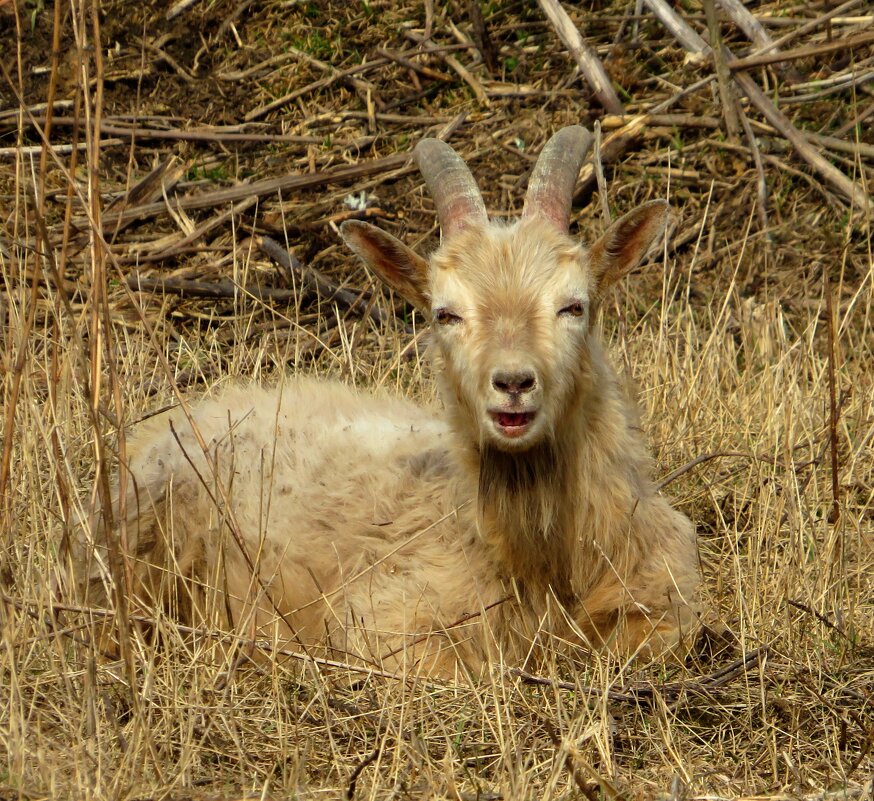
point(513, 383)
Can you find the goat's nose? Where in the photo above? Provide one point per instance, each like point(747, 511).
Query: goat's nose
point(514, 382)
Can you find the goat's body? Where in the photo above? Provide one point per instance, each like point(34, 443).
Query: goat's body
point(360, 514)
point(359, 525)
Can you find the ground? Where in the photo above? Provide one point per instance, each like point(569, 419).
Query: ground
point(140, 268)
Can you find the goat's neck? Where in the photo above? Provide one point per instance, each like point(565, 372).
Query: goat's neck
point(540, 512)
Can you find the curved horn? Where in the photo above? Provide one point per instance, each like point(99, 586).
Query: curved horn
point(551, 185)
point(456, 195)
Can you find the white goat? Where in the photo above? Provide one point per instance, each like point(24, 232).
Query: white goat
point(364, 527)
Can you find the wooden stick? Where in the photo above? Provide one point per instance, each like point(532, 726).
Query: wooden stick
point(168, 251)
point(333, 76)
point(224, 289)
point(481, 36)
point(826, 169)
point(454, 64)
point(614, 145)
point(744, 20)
point(599, 177)
point(35, 150)
point(761, 183)
point(612, 121)
point(586, 58)
point(808, 26)
point(781, 122)
point(313, 279)
point(801, 52)
point(723, 75)
point(413, 65)
point(634, 693)
point(267, 186)
point(680, 30)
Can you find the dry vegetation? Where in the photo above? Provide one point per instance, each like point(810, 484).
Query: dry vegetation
point(750, 341)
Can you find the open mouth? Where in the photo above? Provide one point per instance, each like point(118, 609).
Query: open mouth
point(512, 424)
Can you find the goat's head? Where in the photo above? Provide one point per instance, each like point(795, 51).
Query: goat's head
point(512, 306)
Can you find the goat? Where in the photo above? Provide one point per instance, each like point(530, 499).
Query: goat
point(362, 524)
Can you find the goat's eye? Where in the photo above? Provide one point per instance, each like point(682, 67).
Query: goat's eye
point(446, 317)
point(575, 309)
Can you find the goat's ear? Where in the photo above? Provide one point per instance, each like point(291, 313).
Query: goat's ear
point(401, 268)
point(626, 242)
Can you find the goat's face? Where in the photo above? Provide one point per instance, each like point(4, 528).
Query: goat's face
point(511, 305)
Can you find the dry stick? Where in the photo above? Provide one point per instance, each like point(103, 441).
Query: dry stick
point(822, 619)
point(761, 183)
point(586, 788)
point(828, 171)
point(613, 121)
point(807, 27)
point(266, 187)
point(181, 245)
point(312, 278)
point(858, 149)
point(706, 457)
point(218, 290)
point(353, 779)
point(149, 189)
point(755, 31)
point(197, 135)
point(619, 141)
point(680, 30)
point(33, 150)
point(801, 52)
point(781, 122)
point(444, 629)
point(744, 20)
point(723, 75)
point(454, 64)
point(427, 72)
point(634, 693)
point(856, 121)
point(335, 76)
point(585, 57)
point(599, 176)
point(481, 36)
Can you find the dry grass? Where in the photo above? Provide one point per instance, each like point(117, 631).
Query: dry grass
point(726, 338)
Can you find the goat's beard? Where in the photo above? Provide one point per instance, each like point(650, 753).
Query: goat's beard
point(523, 512)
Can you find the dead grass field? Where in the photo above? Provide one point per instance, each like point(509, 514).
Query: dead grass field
point(750, 342)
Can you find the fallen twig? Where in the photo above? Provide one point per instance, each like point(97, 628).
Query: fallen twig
point(692, 43)
point(645, 690)
point(219, 290)
point(313, 279)
point(169, 251)
point(781, 122)
point(333, 76)
point(454, 64)
point(586, 58)
point(801, 52)
point(723, 76)
point(267, 186)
